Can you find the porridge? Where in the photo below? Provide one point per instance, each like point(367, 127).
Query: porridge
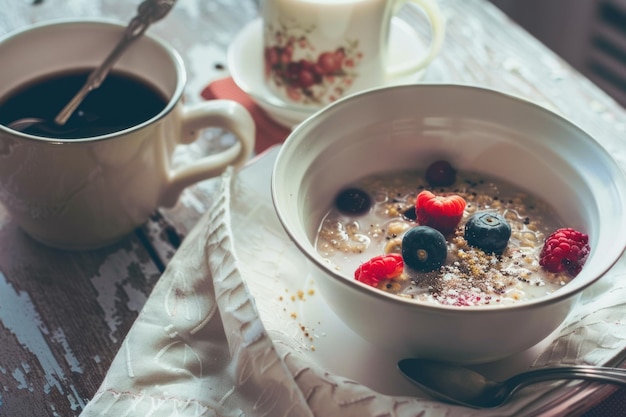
point(441, 237)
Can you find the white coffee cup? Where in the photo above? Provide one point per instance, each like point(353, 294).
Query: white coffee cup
point(90, 192)
point(317, 51)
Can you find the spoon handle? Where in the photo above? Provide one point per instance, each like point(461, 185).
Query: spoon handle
point(593, 373)
point(148, 12)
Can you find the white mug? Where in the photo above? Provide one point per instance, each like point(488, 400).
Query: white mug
point(89, 192)
point(317, 51)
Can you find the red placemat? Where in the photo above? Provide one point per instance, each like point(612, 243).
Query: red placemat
point(268, 132)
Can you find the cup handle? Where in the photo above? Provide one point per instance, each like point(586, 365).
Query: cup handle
point(225, 114)
point(437, 24)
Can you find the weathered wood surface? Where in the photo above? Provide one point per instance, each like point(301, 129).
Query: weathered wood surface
point(63, 315)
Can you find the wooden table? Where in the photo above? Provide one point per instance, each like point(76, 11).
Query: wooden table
point(63, 315)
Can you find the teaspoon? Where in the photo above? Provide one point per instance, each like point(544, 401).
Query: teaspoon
point(460, 385)
point(148, 12)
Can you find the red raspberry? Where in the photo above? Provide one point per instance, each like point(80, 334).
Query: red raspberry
point(380, 268)
point(565, 250)
point(439, 212)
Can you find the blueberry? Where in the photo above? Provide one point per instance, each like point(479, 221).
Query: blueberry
point(410, 213)
point(353, 201)
point(424, 248)
point(440, 174)
point(488, 231)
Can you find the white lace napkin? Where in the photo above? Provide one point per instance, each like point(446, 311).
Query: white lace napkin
point(222, 333)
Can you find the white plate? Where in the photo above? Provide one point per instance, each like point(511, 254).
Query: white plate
point(245, 63)
point(296, 317)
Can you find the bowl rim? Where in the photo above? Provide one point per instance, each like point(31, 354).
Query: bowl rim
point(563, 293)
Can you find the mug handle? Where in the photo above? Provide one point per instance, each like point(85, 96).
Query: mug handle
point(437, 24)
point(225, 114)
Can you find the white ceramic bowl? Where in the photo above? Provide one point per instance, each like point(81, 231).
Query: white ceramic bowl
point(476, 130)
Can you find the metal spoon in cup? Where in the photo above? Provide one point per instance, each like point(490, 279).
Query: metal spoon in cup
point(460, 385)
point(148, 12)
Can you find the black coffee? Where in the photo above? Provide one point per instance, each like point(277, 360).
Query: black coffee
point(123, 100)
